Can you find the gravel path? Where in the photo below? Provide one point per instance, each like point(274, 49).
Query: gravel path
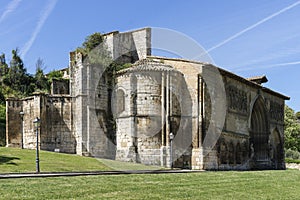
point(292, 166)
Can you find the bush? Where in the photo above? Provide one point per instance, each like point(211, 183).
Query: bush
point(292, 154)
point(289, 160)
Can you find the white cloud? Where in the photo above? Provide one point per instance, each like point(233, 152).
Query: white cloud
point(43, 17)
point(9, 8)
point(254, 25)
point(269, 66)
point(276, 55)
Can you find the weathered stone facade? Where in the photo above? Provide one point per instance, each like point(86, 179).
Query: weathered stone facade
point(220, 121)
point(56, 122)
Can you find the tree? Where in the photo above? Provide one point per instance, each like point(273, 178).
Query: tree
point(40, 78)
point(18, 82)
point(16, 76)
point(3, 65)
point(291, 130)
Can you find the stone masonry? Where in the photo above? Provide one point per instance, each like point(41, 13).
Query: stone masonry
point(220, 121)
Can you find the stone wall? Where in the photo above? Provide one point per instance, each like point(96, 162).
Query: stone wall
point(55, 132)
point(188, 135)
point(78, 82)
point(31, 106)
point(13, 123)
point(93, 124)
point(129, 47)
point(57, 124)
point(234, 149)
point(60, 86)
point(222, 117)
point(220, 121)
point(153, 106)
point(142, 114)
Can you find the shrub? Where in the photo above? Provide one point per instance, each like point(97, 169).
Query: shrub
point(289, 160)
point(292, 154)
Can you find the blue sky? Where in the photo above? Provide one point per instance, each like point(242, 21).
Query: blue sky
point(246, 37)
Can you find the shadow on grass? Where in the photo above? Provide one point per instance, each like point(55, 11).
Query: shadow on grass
point(8, 160)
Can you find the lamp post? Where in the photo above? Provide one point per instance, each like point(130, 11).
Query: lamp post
point(171, 149)
point(36, 123)
point(22, 128)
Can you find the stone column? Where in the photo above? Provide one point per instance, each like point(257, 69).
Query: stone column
point(168, 157)
point(132, 154)
point(168, 109)
point(163, 121)
point(197, 152)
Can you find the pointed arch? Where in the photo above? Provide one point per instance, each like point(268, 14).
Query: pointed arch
point(276, 149)
point(259, 133)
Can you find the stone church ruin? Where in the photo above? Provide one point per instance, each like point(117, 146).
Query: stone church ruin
point(220, 121)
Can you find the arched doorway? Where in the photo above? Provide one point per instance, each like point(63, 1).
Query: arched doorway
point(276, 150)
point(259, 136)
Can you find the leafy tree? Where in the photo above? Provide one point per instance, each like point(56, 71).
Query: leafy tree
point(17, 71)
point(292, 130)
point(17, 77)
point(289, 116)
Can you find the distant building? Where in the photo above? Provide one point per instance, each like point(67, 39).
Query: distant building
point(220, 120)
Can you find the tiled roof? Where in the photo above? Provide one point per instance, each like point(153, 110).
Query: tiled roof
point(148, 65)
point(258, 79)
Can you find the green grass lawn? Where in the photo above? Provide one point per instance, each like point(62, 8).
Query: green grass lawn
point(23, 160)
point(15, 160)
point(203, 185)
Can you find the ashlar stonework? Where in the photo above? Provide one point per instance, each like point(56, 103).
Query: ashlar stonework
point(220, 121)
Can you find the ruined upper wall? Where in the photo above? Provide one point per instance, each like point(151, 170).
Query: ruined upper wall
point(126, 47)
point(130, 46)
